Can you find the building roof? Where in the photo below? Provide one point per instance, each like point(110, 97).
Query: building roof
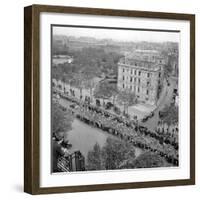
point(144, 59)
point(140, 64)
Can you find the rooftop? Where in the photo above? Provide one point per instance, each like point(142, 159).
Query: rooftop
point(141, 64)
point(143, 59)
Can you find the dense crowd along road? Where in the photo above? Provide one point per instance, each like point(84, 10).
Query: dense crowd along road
point(125, 129)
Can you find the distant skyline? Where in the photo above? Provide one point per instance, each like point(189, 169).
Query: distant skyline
point(119, 35)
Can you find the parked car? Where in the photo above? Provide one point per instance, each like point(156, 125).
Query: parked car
point(151, 114)
point(74, 106)
point(145, 118)
point(109, 105)
point(116, 110)
point(98, 103)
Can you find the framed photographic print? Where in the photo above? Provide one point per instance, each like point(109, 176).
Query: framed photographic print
point(109, 99)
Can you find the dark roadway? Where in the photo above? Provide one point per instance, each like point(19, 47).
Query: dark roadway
point(165, 99)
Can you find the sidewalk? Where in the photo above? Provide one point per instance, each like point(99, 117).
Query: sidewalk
point(141, 110)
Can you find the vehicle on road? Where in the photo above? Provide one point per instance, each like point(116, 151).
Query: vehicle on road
point(109, 105)
point(74, 106)
point(147, 117)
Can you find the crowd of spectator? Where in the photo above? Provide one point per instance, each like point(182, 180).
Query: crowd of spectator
point(163, 144)
point(127, 130)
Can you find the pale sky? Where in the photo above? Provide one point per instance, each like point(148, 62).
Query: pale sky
point(115, 34)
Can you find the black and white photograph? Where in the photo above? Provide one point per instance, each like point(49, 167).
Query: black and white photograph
point(114, 98)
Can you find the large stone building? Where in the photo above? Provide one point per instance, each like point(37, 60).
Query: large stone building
point(142, 73)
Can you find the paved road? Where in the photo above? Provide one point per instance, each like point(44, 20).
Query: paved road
point(165, 100)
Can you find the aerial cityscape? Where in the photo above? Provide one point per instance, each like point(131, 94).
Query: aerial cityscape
point(114, 99)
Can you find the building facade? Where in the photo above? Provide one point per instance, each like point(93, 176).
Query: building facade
point(173, 63)
point(142, 73)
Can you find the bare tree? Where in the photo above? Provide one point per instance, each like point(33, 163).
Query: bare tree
point(61, 121)
point(103, 91)
point(78, 81)
point(127, 99)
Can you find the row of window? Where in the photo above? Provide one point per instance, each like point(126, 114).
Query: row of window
point(135, 72)
point(139, 73)
point(131, 79)
point(138, 89)
point(135, 80)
